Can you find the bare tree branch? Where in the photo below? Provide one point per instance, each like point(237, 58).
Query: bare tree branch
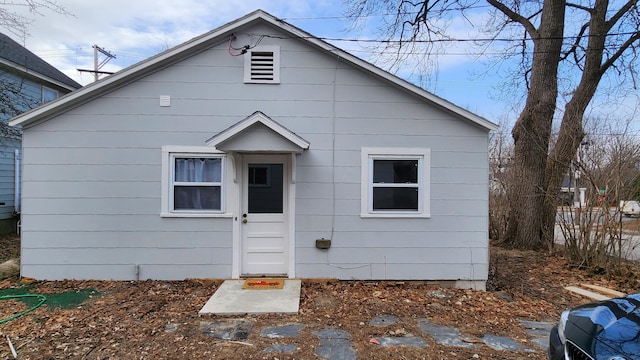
point(576, 45)
point(624, 10)
point(17, 24)
point(621, 50)
point(533, 32)
point(581, 7)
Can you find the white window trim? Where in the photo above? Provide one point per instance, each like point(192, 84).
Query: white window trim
point(169, 152)
point(276, 65)
point(368, 154)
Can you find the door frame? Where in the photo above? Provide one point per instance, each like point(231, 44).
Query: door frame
point(236, 200)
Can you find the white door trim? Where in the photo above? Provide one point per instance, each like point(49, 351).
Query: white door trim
point(292, 215)
point(235, 206)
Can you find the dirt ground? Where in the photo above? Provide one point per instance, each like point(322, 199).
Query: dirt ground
point(159, 319)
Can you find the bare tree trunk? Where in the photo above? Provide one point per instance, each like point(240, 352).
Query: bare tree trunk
point(571, 129)
point(532, 132)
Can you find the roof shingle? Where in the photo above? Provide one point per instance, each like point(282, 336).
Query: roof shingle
point(15, 53)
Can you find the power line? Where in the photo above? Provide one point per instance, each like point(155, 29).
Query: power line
point(451, 40)
point(349, 17)
point(388, 42)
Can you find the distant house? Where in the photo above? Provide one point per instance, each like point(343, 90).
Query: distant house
point(255, 149)
point(26, 81)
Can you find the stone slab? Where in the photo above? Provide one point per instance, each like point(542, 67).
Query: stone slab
point(537, 328)
point(334, 345)
point(411, 341)
point(332, 334)
point(230, 329)
point(539, 332)
point(279, 332)
point(503, 343)
point(336, 349)
point(542, 343)
point(443, 335)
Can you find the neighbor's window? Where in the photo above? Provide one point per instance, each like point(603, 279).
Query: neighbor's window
point(395, 182)
point(193, 182)
point(48, 94)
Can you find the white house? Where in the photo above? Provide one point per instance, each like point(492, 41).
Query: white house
point(255, 149)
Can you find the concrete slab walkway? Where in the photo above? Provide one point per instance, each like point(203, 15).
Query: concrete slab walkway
point(231, 299)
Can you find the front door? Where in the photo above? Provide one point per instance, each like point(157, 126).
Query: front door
point(265, 238)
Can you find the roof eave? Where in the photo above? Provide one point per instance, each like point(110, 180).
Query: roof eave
point(187, 48)
point(35, 74)
point(125, 75)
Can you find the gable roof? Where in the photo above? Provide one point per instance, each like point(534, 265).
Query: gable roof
point(240, 128)
point(19, 58)
point(218, 36)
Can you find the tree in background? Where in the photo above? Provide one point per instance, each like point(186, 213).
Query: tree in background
point(13, 99)
point(562, 45)
point(598, 236)
point(500, 156)
point(17, 24)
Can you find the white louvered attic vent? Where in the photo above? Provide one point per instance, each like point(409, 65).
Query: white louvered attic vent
point(262, 65)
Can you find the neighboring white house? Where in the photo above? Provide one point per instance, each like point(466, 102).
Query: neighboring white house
point(255, 149)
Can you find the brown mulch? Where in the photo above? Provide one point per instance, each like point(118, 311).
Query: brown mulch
point(159, 319)
point(9, 247)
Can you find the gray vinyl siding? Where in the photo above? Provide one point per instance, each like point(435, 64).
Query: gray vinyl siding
point(91, 205)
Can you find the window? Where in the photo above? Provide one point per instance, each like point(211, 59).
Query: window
point(259, 175)
point(197, 183)
point(48, 94)
point(262, 65)
point(193, 179)
point(395, 182)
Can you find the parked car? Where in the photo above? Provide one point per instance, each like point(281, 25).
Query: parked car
point(630, 208)
point(608, 330)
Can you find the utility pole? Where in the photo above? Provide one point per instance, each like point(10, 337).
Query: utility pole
point(98, 65)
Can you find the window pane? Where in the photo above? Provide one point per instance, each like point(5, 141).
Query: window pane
point(48, 94)
point(395, 171)
point(266, 196)
point(258, 175)
point(198, 169)
point(196, 198)
point(404, 198)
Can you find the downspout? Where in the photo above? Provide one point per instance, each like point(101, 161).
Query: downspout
point(17, 176)
point(16, 187)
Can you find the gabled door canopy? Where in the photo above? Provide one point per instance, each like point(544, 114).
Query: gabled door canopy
point(258, 133)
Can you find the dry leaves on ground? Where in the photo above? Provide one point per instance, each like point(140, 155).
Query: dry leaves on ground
point(158, 319)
